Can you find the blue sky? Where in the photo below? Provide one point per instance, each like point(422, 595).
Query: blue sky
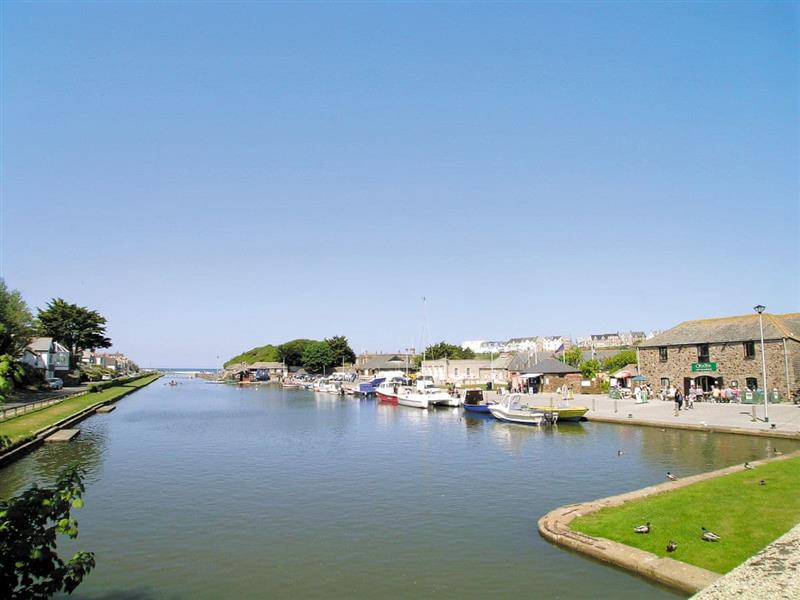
point(213, 177)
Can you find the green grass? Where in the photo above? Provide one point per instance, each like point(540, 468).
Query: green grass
point(24, 426)
point(746, 515)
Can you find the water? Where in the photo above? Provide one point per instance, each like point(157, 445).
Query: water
point(210, 491)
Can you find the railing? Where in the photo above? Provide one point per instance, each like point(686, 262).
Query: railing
point(10, 413)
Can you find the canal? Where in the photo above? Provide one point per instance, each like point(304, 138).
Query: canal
point(213, 491)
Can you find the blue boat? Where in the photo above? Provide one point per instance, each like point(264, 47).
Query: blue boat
point(474, 402)
point(367, 389)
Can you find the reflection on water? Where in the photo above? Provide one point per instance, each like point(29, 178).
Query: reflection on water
point(210, 491)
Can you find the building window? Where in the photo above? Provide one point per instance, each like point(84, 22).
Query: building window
point(456, 371)
point(702, 353)
point(749, 349)
point(751, 383)
point(662, 354)
point(664, 383)
point(467, 371)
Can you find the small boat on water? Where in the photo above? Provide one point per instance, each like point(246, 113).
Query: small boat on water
point(564, 413)
point(424, 395)
point(514, 408)
point(474, 402)
point(370, 387)
point(388, 390)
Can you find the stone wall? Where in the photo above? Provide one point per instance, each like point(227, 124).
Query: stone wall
point(731, 364)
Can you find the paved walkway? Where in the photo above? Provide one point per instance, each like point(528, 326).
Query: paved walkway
point(784, 417)
point(23, 398)
point(772, 573)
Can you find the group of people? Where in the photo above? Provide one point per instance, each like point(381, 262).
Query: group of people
point(697, 394)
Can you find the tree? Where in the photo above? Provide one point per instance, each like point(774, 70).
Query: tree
point(342, 351)
point(590, 368)
point(318, 356)
point(16, 322)
point(268, 353)
point(29, 564)
point(573, 356)
point(445, 350)
point(292, 352)
point(77, 327)
point(11, 372)
point(619, 360)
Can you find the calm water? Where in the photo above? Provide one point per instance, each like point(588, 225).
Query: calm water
point(210, 491)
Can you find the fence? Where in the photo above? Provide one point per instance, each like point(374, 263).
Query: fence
point(10, 413)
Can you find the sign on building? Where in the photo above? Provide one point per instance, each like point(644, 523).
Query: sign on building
point(704, 367)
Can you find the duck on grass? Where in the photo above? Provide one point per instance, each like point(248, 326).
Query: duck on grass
point(741, 515)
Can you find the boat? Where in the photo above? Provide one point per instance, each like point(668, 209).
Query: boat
point(370, 387)
point(327, 386)
point(514, 408)
point(387, 391)
point(423, 395)
point(474, 402)
point(564, 413)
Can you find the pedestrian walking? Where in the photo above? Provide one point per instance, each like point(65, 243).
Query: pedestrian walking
point(678, 401)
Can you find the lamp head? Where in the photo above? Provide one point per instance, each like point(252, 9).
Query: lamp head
point(759, 308)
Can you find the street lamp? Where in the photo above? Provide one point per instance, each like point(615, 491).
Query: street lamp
point(760, 309)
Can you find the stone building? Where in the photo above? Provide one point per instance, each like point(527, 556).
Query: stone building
point(725, 351)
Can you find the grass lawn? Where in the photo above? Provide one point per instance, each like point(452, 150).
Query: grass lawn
point(26, 425)
point(747, 516)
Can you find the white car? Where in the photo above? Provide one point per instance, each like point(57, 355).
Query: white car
point(54, 383)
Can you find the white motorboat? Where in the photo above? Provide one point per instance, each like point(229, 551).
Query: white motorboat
point(424, 395)
point(514, 408)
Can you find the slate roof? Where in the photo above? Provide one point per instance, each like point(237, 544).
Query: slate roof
point(522, 362)
point(387, 362)
point(728, 329)
point(40, 344)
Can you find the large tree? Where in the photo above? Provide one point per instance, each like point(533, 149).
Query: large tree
point(445, 350)
point(342, 351)
point(16, 322)
point(318, 356)
point(30, 523)
point(573, 356)
point(619, 360)
point(292, 352)
point(77, 327)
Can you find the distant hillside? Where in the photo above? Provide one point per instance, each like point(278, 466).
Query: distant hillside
point(268, 353)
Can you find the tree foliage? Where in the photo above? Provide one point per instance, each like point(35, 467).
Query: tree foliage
point(342, 351)
point(318, 356)
point(76, 327)
point(30, 567)
point(619, 360)
point(16, 322)
point(11, 373)
point(573, 356)
point(292, 352)
point(445, 350)
point(268, 353)
point(590, 368)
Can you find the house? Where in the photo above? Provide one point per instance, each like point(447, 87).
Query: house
point(375, 364)
point(464, 371)
point(263, 370)
point(541, 373)
point(46, 354)
point(606, 340)
point(725, 351)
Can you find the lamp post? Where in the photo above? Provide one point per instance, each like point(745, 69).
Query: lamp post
point(760, 309)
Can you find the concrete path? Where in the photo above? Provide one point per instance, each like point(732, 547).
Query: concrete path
point(772, 573)
point(784, 419)
point(23, 398)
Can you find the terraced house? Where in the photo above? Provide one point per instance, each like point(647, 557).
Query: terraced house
point(725, 351)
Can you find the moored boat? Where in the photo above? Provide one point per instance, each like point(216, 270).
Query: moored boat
point(564, 413)
point(514, 408)
point(387, 391)
point(475, 402)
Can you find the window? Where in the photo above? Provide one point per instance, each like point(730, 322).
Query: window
point(749, 349)
point(456, 372)
point(467, 371)
point(702, 353)
point(664, 383)
point(751, 383)
point(662, 354)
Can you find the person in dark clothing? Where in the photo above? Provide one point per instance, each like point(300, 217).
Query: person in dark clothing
point(678, 399)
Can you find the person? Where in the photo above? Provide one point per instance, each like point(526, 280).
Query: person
point(715, 393)
point(678, 400)
point(692, 397)
point(671, 393)
point(570, 394)
point(637, 392)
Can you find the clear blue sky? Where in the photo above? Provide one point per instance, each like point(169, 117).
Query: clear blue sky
point(213, 177)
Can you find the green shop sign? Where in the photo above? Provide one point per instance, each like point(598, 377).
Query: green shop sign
point(703, 367)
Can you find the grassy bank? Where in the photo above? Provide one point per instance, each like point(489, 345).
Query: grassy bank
point(747, 516)
point(24, 426)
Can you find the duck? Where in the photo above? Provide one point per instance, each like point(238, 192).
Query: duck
point(748, 466)
point(762, 482)
point(709, 536)
point(671, 546)
point(672, 477)
point(620, 453)
point(642, 528)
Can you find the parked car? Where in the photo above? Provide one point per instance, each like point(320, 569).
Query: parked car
point(54, 383)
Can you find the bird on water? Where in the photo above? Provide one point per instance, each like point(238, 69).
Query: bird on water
point(709, 536)
point(671, 546)
point(642, 528)
point(672, 477)
point(620, 453)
